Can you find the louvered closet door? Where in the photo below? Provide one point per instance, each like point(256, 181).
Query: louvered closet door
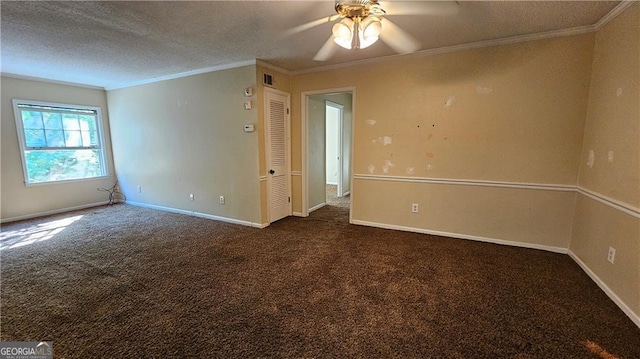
point(278, 178)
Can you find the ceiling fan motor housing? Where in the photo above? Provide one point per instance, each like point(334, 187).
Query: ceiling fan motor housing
point(358, 8)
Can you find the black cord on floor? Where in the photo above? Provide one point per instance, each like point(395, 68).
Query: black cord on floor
point(115, 196)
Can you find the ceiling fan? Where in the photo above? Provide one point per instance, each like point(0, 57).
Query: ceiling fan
point(363, 22)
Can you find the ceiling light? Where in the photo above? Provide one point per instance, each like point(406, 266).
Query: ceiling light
point(370, 28)
point(343, 33)
point(357, 33)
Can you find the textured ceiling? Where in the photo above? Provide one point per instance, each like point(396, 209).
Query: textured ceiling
point(112, 44)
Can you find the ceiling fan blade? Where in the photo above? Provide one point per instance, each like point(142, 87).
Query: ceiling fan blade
point(309, 25)
point(326, 51)
point(420, 7)
point(397, 39)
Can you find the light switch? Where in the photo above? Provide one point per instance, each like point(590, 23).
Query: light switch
point(248, 128)
point(247, 105)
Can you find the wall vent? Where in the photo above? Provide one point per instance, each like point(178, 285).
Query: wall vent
point(267, 80)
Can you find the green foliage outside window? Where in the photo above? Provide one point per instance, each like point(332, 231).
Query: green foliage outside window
point(45, 166)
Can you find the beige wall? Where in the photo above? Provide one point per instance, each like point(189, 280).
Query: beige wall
point(512, 113)
point(467, 212)
point(185, 136)
point(19, 200)
point(613, 124)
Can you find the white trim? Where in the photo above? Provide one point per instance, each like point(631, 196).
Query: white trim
point(317, 207)
point(298, 214)
point(55, 211)
point(196, 214)
point(635, 318)
point(613, 14)
point(461, 236)
point(348, 193)
point(465, 182)
point(57, 182)
point(614, 203)
point(296, 173)
point(49, 81)
point(205, 70)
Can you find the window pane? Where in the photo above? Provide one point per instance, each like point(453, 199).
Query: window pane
point(44, 166)
point(88, 123)
point(52, 120)
point(31, 120)
point(93, 138)
point(55, 138)
point(70, 122)
point(35, 138)
point(72, 138)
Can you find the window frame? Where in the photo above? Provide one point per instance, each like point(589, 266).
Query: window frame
point(17, 112)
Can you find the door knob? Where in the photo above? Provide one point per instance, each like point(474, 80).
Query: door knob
point(271, 172)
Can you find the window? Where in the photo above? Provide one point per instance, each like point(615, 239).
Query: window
point(59, 142)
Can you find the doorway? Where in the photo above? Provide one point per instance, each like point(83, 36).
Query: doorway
point(328, 127)
point(335, 180)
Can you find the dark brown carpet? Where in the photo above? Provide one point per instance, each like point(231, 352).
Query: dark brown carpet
point(123, 281)
point(333, 199)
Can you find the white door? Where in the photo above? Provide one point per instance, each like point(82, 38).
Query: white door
point(334, 145)
point(278, 153)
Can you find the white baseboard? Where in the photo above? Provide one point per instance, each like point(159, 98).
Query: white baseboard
point(317, 207)
point(635, 318)
point(198, 214)
point(462, 236)
point(55, 211)
point(348, 193)
point(297, 214)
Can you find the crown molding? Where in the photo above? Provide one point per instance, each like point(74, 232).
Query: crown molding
point(205, 70)
point(49, 81)
point(468, 46)
point(625, 4)
point(269, 66)
point(620, 8)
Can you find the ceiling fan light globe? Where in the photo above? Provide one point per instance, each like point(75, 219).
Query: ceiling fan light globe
point(343, 33)
point(369, 31)
point(371, 27)
point(366, 42)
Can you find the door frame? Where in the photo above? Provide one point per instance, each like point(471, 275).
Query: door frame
point(267, 147)
point(340, 108)
point(304, 110)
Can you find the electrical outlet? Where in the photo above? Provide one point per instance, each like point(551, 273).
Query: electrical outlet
point(221, 199)
point(139, 189)
point(191, 197)
point(612, 255)
point(414, 208)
